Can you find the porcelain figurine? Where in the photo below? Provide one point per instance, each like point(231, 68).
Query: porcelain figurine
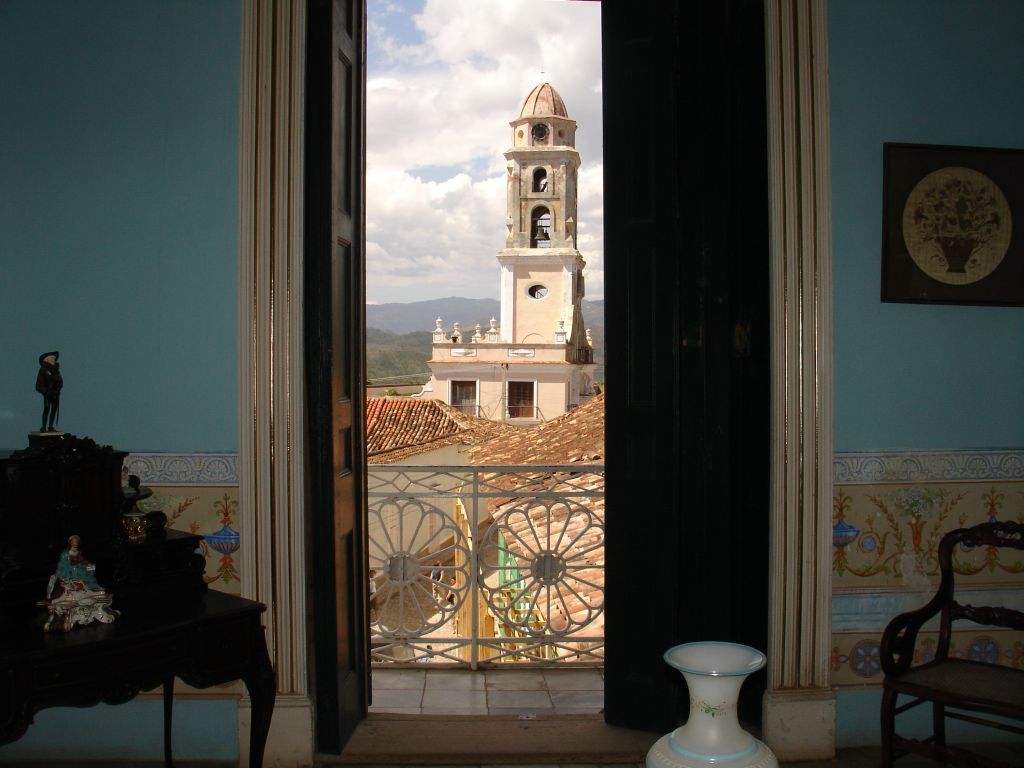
point(73, 595)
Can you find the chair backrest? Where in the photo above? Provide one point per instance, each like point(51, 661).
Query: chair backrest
point(1003, 534)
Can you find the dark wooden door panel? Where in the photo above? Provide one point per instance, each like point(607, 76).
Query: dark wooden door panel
point(335, 298)
point(688, 402)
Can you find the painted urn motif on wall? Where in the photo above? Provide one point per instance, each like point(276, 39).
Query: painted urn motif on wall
point(844, 534)
point(226, 540)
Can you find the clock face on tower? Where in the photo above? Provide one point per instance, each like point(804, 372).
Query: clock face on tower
point(540, 133)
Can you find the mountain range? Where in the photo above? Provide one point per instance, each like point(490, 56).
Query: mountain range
point(398, 335)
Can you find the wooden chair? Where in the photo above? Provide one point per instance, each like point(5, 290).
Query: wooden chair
point(970, 686)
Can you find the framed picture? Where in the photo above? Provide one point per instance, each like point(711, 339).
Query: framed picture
point(952, 225)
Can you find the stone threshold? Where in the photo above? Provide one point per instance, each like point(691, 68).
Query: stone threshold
point(426, 740)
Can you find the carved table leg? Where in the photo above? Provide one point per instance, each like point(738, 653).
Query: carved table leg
point(168, 709)
point(261, 683)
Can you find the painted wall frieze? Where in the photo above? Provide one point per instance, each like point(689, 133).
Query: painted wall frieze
point(184, 468)
point(928, 466)
point(855, 659)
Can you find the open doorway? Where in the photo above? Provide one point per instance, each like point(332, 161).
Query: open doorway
point(484, 141)
point(688, 409)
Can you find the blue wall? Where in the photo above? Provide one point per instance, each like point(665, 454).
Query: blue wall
point(118, 246)
point(104, 735)
point(916, 376)
point(930, 72)
point(118, 218)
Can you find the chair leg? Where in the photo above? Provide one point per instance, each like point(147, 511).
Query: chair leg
point(939, 723)
point(888, 717)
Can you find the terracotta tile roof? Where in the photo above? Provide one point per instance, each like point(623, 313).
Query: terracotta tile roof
point(400, 427)
point(576, 436)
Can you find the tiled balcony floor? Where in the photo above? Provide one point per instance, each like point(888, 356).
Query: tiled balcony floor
point(491, 692)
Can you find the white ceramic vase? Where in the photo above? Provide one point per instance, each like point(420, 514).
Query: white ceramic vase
point(712, 735)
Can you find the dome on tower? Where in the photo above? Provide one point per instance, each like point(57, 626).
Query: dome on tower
point(543, 101)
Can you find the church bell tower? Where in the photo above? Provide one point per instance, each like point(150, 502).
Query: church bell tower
point(541, 269)
point(540, 362)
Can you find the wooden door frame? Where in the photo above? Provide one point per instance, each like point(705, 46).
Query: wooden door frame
point(273, 561)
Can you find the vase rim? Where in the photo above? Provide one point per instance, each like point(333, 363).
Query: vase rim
point(756, 663)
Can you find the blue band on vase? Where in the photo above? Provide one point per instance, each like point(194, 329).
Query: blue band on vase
point(714, 758)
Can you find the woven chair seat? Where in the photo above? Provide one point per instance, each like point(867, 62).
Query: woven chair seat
point(967, 683)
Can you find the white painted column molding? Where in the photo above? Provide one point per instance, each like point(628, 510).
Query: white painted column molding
point(508, 302)
point(799, 706)
point(270, 359)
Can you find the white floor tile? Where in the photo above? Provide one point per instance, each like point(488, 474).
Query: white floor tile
point(512, 699)
point(515, 680)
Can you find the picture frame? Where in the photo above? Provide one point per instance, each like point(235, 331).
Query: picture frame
point(952, 225)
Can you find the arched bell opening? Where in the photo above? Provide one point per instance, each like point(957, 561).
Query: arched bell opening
point(540, 227)
point(540, 180)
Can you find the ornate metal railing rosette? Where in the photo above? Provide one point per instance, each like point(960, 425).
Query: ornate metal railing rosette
point(409, 594)
point(557, 587)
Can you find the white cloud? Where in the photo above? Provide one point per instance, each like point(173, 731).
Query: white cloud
point(442, 89)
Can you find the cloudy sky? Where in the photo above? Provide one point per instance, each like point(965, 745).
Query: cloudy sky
point(445, 77)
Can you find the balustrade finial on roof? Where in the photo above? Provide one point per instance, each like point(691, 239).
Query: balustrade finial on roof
point(438, 331)
point(560, 333)
point(492, 332)
point(456, 333)
point(477, 335)
point(590, 338)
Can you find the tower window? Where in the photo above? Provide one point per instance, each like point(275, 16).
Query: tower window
point(540, 180)
point(540, 134)
point(537, 291)
point(540, 228)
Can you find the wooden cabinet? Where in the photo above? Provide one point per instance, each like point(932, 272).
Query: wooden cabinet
point(169, 625)
point(62, 485)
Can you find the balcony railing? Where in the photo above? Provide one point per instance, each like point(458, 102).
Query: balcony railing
point(486, 565)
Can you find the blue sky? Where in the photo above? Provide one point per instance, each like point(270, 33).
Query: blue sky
point(445, 77)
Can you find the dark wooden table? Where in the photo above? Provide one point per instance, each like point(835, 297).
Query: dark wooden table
point(212, 640)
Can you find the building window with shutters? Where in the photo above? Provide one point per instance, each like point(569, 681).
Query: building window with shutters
point(522, 400)
point(463, 397)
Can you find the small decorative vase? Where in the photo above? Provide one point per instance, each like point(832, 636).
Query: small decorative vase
point(134, 525)
point(712, 735)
